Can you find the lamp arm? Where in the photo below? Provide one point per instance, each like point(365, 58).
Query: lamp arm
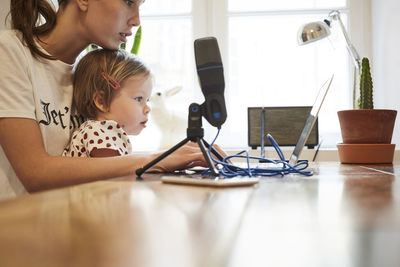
point(335, 14)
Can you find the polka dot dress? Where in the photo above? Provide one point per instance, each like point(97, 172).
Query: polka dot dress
point(92, 134)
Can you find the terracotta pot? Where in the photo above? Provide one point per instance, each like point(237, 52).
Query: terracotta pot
point(367, 126)
point(366, 153)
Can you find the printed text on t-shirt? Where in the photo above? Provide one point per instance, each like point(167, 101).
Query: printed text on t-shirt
point(57, 117)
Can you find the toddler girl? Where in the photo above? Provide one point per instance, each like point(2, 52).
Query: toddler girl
point(111, 89)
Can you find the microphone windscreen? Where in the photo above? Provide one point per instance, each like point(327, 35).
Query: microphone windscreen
point(207, 52)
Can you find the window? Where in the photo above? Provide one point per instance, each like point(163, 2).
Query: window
point(264, 66)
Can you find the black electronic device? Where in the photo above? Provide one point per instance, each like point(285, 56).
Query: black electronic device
point(283, 123)
point(211, 78)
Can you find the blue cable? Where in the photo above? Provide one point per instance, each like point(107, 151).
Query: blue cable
point(230, 170)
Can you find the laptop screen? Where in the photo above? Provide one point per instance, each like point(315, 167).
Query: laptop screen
point(310, 122)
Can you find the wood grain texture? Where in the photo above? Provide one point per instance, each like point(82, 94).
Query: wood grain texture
point(344, 215)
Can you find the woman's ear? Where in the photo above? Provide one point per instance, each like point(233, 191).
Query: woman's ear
point(82, 4)
point(98, 99)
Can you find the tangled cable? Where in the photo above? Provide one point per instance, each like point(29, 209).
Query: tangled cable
point(230, 170)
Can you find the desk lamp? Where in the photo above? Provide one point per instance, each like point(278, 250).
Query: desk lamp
point(318, 30)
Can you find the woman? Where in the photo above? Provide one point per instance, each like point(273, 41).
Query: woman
point(36, 114)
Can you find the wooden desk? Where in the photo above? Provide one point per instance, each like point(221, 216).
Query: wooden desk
point(344, 215)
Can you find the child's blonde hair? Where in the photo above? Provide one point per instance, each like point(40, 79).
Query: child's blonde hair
point(97, 72)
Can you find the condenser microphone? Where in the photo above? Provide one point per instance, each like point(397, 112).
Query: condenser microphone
point(211, 78)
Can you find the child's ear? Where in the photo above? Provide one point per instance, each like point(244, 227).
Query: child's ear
point(98, 99)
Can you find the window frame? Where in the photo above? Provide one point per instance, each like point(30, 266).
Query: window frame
point(211, 17)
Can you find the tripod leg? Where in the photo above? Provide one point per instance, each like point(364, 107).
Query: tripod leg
point(219, 156)
point(215, 152)
point(209, 161)
point(142, 170)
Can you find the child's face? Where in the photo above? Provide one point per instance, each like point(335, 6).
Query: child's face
point(129, 107)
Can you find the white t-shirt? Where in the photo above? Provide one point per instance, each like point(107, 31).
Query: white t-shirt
point(35, 89)
point(93, 134)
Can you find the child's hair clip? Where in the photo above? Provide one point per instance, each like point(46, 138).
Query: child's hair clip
point(110, 80)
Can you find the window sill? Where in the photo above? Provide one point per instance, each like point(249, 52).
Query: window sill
point(325, 154)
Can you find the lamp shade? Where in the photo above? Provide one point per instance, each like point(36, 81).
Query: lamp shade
point(312, 32)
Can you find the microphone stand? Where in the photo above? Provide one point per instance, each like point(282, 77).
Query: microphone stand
point(194, 133)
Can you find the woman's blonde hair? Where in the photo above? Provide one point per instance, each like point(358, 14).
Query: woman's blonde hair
point(97, 72)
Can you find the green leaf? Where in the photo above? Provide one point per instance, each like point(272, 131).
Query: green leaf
point(91, 47)
point(136, 43)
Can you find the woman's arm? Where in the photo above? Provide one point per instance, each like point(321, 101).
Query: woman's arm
point(22, 143)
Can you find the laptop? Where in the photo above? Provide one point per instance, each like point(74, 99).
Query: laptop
point(310, 122)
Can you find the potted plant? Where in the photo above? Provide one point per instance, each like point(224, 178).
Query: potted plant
point(366, 132)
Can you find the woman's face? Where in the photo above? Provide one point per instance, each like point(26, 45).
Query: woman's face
point(108, 23)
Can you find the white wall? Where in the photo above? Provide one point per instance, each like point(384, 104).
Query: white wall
point(4, 8)
point(386, 57)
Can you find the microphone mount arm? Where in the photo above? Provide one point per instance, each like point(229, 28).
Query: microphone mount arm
point(335, 15)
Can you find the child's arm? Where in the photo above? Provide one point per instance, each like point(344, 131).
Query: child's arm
point(104, 152)
point(22, 143)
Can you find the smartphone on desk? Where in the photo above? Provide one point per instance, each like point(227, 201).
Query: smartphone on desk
point(209, 181)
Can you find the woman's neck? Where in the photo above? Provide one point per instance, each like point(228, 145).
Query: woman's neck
point(64, 42)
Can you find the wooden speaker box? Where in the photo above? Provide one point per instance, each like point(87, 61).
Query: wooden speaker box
point(283, 123)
